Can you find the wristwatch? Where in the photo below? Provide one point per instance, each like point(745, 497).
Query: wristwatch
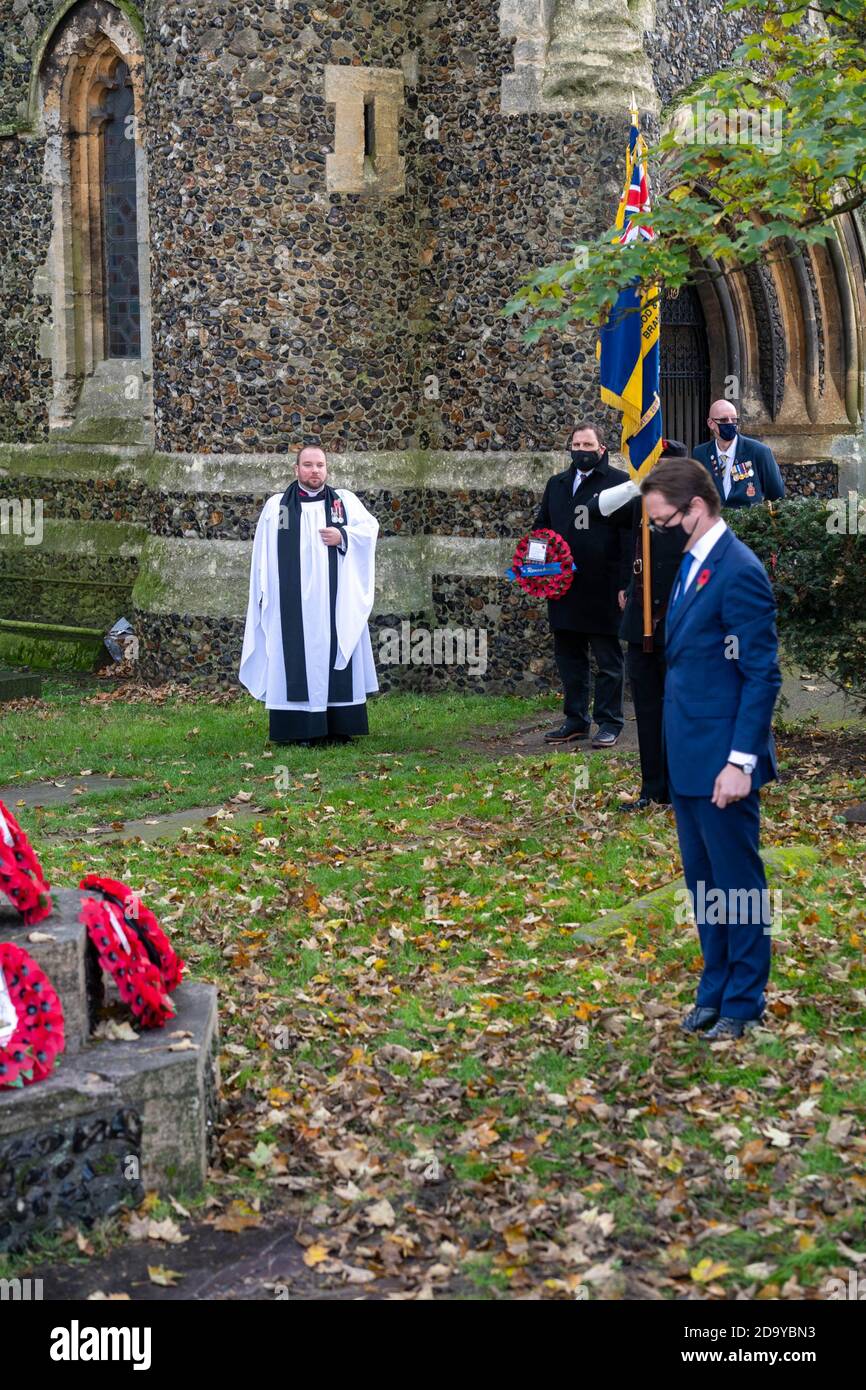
point(746, 765)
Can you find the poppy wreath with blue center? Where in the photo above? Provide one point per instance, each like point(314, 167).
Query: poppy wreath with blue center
point(121, 954)
point(32, 1050)
point(21, 876)
point(140, 920)
point(549, 586)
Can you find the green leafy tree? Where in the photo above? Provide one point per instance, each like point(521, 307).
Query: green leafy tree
point(757, 161)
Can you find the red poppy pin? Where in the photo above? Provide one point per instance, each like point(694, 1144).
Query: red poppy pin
point(702, 578)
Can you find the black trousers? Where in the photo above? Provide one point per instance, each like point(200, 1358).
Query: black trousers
point(646, 673)
point(571, 650)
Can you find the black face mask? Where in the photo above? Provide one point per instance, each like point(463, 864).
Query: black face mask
point(678, 537)
point(583, 459)
point(727, 431)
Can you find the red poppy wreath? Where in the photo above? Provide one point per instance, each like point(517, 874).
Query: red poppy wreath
point(140, 920)
point(31, 1019)
point(21, 876)
point(550, 578)
point(131, 964)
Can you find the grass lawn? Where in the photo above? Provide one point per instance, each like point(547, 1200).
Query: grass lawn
point(425, 1055)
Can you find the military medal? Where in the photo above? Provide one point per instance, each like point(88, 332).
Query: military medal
point(337, 511)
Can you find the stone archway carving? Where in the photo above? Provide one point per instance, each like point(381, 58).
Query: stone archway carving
point(771, 329)
point(80, 60)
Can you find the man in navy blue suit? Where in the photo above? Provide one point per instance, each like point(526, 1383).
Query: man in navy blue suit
point(721, 685)
point(743, 469)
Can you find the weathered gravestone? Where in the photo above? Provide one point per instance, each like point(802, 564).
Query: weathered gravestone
point(19, 685)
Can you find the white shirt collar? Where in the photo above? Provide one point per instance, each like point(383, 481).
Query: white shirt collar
point(701, 549)
point(725, 449)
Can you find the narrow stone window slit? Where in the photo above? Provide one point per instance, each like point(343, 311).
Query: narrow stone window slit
point(369, 127)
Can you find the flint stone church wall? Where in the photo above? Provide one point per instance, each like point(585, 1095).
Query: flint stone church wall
point(285, 310)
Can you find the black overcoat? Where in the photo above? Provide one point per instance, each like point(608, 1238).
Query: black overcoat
point(601, 550)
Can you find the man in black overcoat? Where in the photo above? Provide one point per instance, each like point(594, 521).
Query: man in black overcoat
point(587, 616)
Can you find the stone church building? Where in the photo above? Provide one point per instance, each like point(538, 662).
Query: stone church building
point(229, 228)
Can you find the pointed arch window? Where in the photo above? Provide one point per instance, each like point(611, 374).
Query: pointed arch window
point(90, 93)
point(119, 220)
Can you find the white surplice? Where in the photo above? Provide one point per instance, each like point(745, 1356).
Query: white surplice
point(263, 668)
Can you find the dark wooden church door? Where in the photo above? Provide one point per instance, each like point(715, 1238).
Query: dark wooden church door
point(685, 367)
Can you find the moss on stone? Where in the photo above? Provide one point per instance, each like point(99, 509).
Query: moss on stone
point(46, 461)
point(106, 429)
point(95, 538)
point(49, 651)
point(193, 577)
point(152, 593)
point(134, 16)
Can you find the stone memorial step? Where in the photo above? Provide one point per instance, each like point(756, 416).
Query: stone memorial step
point(114, 1118)
point(110, 1122)
point(61, 948)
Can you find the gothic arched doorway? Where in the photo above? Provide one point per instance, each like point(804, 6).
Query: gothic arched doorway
point(684, 367)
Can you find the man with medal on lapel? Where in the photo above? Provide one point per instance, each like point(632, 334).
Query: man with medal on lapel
point(307, 652)
point(743, 469)
point(721, 684)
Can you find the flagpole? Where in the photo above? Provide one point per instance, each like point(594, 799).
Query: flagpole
point(646, 575)
point(646, 562)
point(615, 388)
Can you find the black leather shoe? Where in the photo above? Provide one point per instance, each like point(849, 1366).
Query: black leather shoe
point(729, 1028)
point(605, 738)
point(699, 1019)
point(567, 733)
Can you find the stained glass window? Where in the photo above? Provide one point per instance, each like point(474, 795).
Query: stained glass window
point(120, 230)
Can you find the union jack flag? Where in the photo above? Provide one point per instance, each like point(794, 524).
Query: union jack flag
point(635, 199)
point(628, 347)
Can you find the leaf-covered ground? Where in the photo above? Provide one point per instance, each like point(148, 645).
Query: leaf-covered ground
point(452, 1084)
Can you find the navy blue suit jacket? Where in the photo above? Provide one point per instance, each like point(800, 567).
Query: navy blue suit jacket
point(758, 465)
point(722, 670)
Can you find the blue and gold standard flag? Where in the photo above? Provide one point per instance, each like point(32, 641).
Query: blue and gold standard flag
point(628, 348)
